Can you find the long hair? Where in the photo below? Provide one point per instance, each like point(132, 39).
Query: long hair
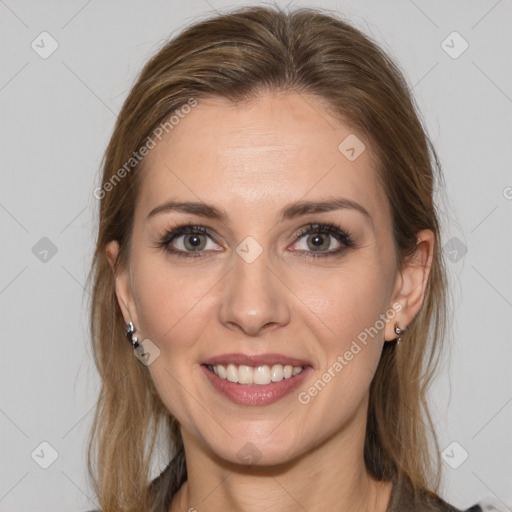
point(236, 56)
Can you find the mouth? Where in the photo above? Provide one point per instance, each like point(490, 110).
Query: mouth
point(255, 380)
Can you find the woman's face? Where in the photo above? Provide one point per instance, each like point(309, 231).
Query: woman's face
point(254, 284)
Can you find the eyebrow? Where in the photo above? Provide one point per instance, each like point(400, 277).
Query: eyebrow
point(290, 211)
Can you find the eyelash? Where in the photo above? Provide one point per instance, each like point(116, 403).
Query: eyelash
point(340, 235)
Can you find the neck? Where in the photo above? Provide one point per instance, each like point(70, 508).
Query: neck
point(332, 476)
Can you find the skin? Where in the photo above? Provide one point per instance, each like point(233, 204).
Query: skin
point(252, 159)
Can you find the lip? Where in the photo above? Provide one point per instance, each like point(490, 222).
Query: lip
point(256, 395)
point(256, 360)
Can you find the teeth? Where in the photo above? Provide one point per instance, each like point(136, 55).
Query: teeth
point(231, 373)
point(245, 374)
point(277, 372)
point(261, 375)
point(221, 371)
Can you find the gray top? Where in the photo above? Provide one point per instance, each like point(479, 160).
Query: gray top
point(403, 500)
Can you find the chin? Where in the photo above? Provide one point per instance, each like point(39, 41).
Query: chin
point(257, 451)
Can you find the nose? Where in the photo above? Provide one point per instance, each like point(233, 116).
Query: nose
point(254, 299)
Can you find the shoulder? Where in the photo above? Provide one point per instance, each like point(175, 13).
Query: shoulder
point(404, 499)
point(432, 502)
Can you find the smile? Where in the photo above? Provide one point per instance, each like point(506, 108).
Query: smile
point(254, 386)
point(260, 375)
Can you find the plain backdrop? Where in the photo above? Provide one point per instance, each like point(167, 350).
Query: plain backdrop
point(57, 114)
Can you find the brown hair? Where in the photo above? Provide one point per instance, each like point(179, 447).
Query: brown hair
point(236, 56)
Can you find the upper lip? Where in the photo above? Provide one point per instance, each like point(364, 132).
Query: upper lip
point(256, 360)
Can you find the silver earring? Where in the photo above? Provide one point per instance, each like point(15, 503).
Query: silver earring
point(130, 334)
point(399, 332)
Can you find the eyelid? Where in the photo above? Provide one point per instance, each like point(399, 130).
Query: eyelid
point(324, 227)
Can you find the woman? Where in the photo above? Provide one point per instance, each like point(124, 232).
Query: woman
point(269, 244)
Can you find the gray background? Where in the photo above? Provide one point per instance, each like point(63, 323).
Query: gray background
point(57, 115)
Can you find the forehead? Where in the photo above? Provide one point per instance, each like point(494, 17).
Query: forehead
point(257, 155)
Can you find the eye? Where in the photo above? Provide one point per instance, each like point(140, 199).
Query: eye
point(317, 239)
point(188, 240)
point(193, 241)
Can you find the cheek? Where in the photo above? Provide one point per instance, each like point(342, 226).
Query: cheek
point(347, 320)
point(176, 305)
point(172, 308)
point(171, 304)
point(349, 358)
point(344, 302)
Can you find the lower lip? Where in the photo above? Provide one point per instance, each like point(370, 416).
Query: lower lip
point(246, 394)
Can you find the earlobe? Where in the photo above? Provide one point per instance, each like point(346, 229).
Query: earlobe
point(412, 282)
point(122, 284)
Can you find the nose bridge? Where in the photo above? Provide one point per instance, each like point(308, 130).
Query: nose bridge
point(254, 296)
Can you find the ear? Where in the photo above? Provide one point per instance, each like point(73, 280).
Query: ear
point(411, 283)
point(122, 284)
